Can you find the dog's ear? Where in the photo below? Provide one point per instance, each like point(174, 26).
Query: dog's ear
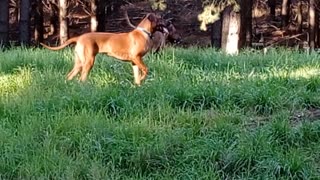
point(151, 17)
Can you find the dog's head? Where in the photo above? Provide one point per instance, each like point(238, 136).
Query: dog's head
point(156, 21)
point(173, 35)
point(159, 23)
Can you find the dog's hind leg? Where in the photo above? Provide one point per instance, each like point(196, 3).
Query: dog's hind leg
point(87, 66)
point(76, 68)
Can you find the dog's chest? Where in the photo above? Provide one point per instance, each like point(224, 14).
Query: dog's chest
point(141, 46)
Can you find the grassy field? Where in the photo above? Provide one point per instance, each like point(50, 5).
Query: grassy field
point(199, 115)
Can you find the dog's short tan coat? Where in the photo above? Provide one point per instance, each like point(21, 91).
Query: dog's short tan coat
point(130, 46)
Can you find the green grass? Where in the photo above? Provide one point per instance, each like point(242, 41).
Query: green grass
point(199, 115)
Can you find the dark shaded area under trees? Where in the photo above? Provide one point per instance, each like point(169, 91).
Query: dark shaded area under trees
point(291, 23)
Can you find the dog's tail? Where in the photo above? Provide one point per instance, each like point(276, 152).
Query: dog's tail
point(128, 20)
point(69, 41)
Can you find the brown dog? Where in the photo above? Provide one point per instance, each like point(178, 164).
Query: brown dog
point(159, 37)
point(130, 46)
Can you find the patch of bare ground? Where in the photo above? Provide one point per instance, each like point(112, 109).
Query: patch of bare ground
point(310, 114)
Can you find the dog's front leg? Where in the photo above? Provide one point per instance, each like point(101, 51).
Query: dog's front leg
point(136, 74)
point(137, 64)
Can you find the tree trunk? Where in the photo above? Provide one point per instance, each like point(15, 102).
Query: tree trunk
point(24, 25)
point(54, 18)
point(312, 24)
point(4, 22)
point(15, 10)
point(317, 29)
point(101, 15)
point(285, 12)
point(216, 34)
point(38, 22)
point(299, 17)
point(246, 23)
point(230, 30)
point(108, 10)
point(272, 5)
point(63, 20)
point(94, 13)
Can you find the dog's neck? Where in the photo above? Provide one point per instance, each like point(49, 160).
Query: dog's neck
point(145, 31)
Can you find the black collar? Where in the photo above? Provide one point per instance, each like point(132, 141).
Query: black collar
point(145, 31)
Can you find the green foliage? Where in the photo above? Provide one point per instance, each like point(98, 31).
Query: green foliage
point(158, 4)
point(199, 115)
point(212, 9)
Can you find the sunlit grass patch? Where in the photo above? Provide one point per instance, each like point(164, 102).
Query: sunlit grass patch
point(306, 72)
point(18, 81)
